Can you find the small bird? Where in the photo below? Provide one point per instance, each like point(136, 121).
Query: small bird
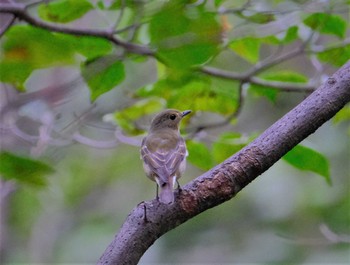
point(164, 152)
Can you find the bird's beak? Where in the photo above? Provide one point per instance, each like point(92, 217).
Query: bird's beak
point(184, 113)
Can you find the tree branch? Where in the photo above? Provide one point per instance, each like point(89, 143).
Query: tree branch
point(285, 86)
point(149, 220)
point(263, 65)
point(7, 24)
point(20, 11)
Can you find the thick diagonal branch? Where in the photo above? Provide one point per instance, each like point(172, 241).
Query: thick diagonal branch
point(150, 220)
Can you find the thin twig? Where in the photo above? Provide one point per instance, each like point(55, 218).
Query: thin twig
point(284, 86)
point(38, 2)
point(332, 46)
point(94, 143)
point(119, 18)
point(263, 65)
point(244, 7)
point(332, 236)
point(7, 25)
point(135, 141)
point(130, 27)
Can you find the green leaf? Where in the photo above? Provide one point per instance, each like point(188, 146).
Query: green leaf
point(337, 56)
point(101, 5)
point(184, 36)
point(285, 76)
point(127, 117)
point(23, 169)
point(282, 76)
point(64, 11)
point(199, 155)
point(90, 47)
point(327, 24)
point(269, 93)
point(227, 144)
point(15, 73)
point(118, 4)
point(218, 2)
point(305, 158)
point(290, 35)
point(37, 47)
point(102, 75)
point(342, 115)
point(197, 95)
point(248, 48)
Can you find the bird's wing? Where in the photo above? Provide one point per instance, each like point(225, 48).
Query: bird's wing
point(164, 163)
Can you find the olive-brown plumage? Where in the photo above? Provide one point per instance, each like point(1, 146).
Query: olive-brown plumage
point(164, 152)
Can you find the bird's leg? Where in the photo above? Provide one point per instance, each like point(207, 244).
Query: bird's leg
point(157, 197)
point(145, 213)
point(178, 186)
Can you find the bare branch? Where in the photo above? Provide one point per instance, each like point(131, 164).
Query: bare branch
point(135, 141)
point(318, 49)
point(120, 16)
point(332, 236)
point(261, 66)
point(38, 2)
point(7, 25)
point(94, 143)
point(285, 86)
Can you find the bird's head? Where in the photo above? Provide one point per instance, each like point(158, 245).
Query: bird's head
point(168, 119)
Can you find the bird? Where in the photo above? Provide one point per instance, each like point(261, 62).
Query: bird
point(164, 152)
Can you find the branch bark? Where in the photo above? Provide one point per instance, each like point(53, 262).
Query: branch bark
point(151, 219)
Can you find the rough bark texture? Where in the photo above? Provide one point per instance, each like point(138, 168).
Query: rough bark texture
point(149, 220)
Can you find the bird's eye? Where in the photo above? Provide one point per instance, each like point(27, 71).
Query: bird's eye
point(172, 116)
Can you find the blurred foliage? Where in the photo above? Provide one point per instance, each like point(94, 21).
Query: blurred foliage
point(24, 169)
point(184, 36)
point(90, 192)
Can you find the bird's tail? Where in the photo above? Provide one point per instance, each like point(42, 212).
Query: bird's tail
point(166, 194)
